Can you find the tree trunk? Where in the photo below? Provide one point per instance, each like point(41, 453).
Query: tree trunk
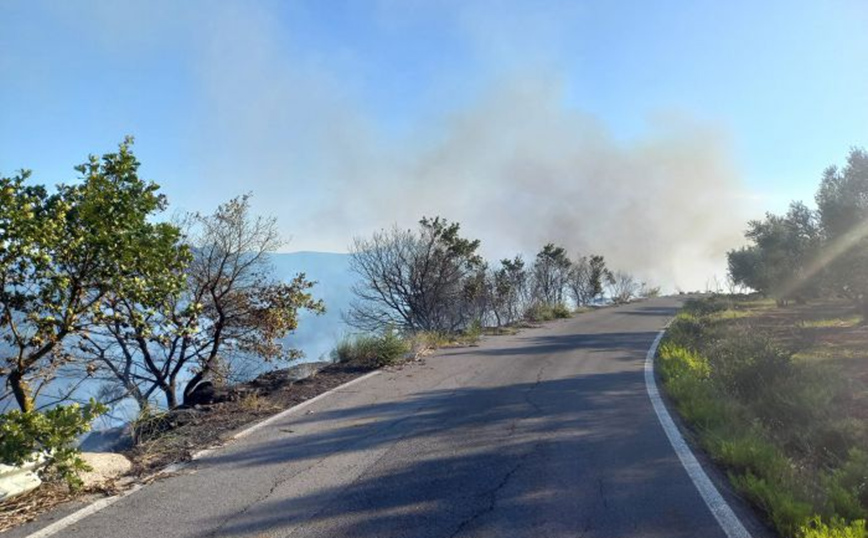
point(21, 391)
point(171, 398)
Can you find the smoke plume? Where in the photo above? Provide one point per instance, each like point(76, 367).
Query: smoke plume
point(511, 158)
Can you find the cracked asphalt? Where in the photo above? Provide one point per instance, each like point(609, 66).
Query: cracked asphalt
point(546, 433)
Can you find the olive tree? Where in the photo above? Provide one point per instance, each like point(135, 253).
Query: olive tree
point(842, 202)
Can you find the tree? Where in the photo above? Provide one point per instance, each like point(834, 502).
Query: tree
point(599, 274)
point(229, 308)
point(586, 279)
point(413, 281)
point(783, 249)
point(551, 272)
point(61, 254)
point(623, 287)
point(509, 289)
point(745, 267)
point(842, 202)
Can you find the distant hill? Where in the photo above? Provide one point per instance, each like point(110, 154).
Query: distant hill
point(317, 335)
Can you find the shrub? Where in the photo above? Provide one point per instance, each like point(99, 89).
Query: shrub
point(372, 350)
point(53, 433)
point(541, 312)
point(560, 311)
point(687, 330)
point(847, 486)
point(746, 364)
point(788, 514)
point(706, 306)
point(538, 312)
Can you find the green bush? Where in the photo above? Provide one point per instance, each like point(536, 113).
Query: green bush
point(372, 350)
point(706, 306)
point(746, 364)
point(560, 311)
point(847, 487)
point(688, 331)
point(52, 433)
point(541, 312)
point(788, 514)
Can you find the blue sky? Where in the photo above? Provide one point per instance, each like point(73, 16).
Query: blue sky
point(317, 106)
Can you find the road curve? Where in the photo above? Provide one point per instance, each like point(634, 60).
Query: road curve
point(547, 433)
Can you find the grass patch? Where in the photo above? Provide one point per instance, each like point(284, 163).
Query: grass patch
point(838, 322)
point(376, 351)
point(541, 312)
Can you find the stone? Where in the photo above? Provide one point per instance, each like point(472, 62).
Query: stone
point(106, 467)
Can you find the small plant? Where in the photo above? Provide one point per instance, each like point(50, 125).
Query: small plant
point(473, 332)
point(24, 435)
point(542, 312)
point(385, 349)
point(560, 311)
point(836, 528)
point(149, 424)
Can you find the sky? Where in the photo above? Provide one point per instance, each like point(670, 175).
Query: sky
point(649, 131)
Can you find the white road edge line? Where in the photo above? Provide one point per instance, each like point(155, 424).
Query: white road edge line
point(96, 506)
point(721, 510)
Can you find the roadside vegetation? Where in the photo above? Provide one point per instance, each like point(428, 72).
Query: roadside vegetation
point(773, 384)
point(101, 290)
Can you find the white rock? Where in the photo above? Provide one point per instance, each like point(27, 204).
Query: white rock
point(106, 466)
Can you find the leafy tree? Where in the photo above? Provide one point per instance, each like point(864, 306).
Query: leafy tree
point(586, 279)
point(509, 289)
point(61, 253)
point(551, 272)
point(842, 202)
point(599, 274)
point(783, 250)
point(413, 280)
point(229, 308)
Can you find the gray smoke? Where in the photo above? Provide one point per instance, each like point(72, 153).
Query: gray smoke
point(515, 164)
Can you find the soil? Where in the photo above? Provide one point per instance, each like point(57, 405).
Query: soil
point(182, 432)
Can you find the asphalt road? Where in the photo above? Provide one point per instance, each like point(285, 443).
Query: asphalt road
point(544, 434)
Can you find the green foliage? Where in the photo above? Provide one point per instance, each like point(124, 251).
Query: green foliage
point(848, 486)
point(561, 311)
point(62, 253)
point(376, 351)
point(538, 312)
point(551, 272)
point(52, 433)
point(747, 363)
point(788, 515)
point(842, 202)
point(778, 261)
point(836, 528)
point(705, 306)
point(763, 417)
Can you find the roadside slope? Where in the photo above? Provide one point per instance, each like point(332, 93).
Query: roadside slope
point(547, 433)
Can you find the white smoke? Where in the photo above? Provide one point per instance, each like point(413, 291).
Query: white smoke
point(516, 165)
